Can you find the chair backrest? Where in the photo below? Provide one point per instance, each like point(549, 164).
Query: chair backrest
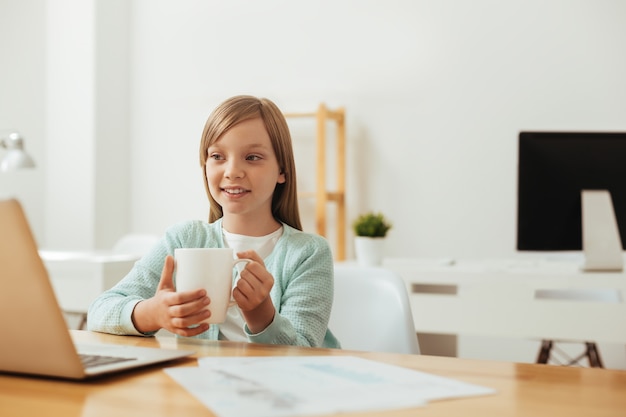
point(371, 311)
point(135, 244)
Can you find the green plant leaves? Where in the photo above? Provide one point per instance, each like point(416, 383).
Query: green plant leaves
point(371, 225)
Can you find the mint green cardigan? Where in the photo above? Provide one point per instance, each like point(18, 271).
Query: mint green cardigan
point(301, 264)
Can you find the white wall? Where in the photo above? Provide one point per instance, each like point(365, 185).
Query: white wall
point(435, 93)
point(22, 107)
point(87, 123)
point(64, 85)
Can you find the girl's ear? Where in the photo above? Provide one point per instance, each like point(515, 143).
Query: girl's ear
point(281, 178)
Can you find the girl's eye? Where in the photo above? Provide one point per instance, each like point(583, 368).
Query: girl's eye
point(253, 158)
point(216, 156)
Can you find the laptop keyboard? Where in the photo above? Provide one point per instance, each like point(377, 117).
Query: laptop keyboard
point(99, 360)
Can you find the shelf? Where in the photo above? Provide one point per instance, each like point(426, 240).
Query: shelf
point(321, 194)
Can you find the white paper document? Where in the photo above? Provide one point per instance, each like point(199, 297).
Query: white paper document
point(312, 385)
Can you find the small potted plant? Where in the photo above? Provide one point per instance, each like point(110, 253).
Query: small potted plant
point(370, 230)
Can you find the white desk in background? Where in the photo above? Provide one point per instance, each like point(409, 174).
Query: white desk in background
point(79, 277)
point(497, 298)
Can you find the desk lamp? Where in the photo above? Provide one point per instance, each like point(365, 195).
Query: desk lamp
point(16, 157)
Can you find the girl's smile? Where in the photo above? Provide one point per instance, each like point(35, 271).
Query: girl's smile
point(235, 192)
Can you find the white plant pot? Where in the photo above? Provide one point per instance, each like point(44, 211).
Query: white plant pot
point(369, 250)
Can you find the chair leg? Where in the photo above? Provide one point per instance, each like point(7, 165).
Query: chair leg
point(594, 355)
point(591, 352)
point(83, 321)
point(544, 352)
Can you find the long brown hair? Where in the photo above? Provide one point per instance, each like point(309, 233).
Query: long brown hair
point(241, 108)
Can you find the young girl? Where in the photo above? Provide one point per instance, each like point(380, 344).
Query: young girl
point(284, 296)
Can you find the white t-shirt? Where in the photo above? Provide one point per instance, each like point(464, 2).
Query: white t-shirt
point(232, 328)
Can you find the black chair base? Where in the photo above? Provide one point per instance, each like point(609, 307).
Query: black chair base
point(591, 353)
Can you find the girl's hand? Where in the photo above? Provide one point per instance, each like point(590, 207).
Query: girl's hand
point(171, 310)
point(252, 293)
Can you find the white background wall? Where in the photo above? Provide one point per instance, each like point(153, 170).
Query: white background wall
point(22, 86)
point(435, 93)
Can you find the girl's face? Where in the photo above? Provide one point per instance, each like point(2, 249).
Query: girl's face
point(242, 173)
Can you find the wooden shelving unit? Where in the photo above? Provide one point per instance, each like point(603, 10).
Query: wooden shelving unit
point(322, 194)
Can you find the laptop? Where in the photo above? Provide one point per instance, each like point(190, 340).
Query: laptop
point(33, 330)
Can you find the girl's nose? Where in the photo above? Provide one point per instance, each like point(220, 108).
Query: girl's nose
point(234, 169)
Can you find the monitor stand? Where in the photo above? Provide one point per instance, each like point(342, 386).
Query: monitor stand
point(601, 240)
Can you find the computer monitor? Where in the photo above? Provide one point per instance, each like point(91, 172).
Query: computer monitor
point(553, 170)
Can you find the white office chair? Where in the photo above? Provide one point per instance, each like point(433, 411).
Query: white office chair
point(549, 350)
point(135, 244)
point(130, 244)
point(371, 311)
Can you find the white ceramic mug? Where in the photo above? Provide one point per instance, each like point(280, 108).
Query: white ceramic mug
point(211, 269)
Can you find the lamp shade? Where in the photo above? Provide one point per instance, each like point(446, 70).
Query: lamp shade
point(16, 157)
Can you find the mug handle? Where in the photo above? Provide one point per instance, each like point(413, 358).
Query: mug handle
point(235, 262)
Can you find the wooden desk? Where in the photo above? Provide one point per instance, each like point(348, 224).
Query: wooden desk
point(523, 389)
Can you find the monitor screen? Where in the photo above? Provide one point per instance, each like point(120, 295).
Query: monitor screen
point(553, 168)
